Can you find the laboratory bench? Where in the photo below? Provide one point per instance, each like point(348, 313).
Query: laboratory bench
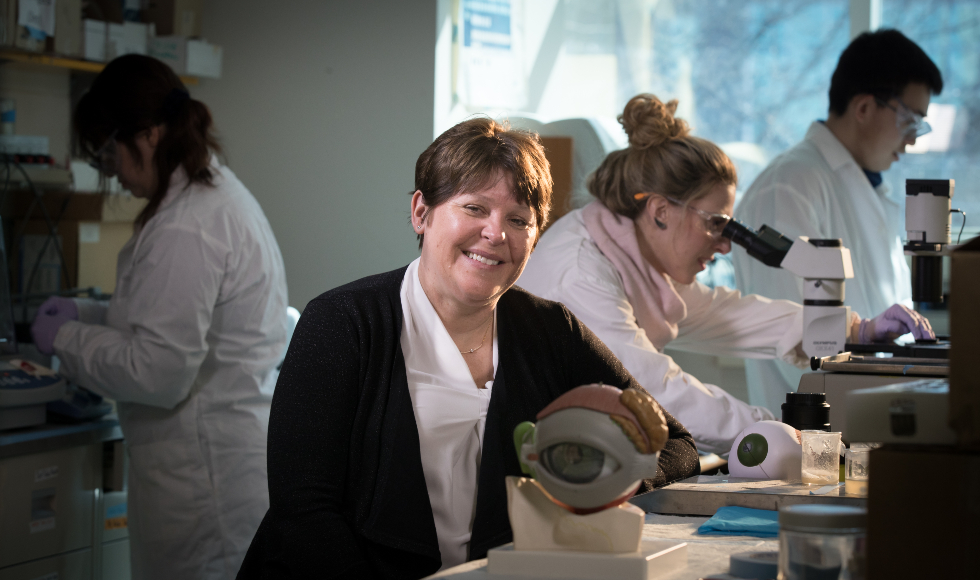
point(63, 502)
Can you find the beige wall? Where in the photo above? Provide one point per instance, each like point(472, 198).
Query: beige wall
point(323, 108)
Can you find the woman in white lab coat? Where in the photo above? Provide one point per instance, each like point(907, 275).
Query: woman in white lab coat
point(189, 344)
point(626, 265)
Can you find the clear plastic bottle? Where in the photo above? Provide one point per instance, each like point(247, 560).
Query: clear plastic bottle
point(822, 542)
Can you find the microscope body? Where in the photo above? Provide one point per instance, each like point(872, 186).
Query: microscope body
point(927, 224)
point(824, 265)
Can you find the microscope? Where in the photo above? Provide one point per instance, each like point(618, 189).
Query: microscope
point(824, 265)
point(927, 223)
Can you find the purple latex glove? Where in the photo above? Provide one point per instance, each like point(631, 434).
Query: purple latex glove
point(893, 323)
point(50, 316)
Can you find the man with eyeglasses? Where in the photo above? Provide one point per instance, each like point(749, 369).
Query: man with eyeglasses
point(830, 186)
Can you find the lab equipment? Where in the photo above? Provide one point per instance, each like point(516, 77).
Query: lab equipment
point(807, 411)
point(856, 469)
point(847, 372)
point(821, 457)
point(824, 265)
point(25, 389)
point(913, 412)
point(824, 542)
point(766, 450)
point(927, 225)
point(703, 495)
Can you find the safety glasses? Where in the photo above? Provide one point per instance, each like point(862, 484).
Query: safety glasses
point(714, 222)
point(908, 121)
point(104, 159)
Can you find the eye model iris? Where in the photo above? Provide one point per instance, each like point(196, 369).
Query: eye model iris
point(752, 450)
point(574, 462)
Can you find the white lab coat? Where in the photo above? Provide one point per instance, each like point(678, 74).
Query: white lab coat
point(188, 347)
point(816, 189)
point(568, 267)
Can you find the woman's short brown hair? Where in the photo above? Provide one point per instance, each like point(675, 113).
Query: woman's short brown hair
point(470, 155)
point(662, 158)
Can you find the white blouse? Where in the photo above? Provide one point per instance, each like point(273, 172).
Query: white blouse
point(450, 413)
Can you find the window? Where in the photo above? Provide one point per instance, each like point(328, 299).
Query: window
point(949, 32)
point(750, 75)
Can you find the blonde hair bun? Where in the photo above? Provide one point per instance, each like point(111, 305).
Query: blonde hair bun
point(650, 123)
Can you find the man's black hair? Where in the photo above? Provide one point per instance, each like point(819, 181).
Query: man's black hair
point(881, 63)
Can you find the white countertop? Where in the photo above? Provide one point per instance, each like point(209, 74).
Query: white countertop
point(706, 555)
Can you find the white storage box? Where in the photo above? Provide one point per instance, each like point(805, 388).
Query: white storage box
point(188, 57)
point(127, 38)
point(94, 34)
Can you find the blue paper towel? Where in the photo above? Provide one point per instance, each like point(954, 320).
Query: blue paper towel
point(740, 521)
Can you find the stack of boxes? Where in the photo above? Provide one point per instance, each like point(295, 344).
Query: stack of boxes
point(927, 497)
point(102, 30)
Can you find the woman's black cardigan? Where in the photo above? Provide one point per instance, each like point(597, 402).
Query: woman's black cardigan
point(346, 487)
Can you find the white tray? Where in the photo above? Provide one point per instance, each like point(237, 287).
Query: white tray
point(656, 559)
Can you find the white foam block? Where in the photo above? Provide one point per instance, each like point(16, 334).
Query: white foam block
point(656, 559)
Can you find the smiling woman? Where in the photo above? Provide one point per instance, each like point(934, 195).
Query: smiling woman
point(391, 430)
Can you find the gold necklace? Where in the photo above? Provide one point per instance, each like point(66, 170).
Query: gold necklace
point(472, 350)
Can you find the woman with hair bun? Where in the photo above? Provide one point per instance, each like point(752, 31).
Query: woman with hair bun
point(189, 344)
point(626, 263)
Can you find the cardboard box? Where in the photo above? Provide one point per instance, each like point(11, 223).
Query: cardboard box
point(127, 38)
point(43, 16)
point(99, 242)
point(68, 28)
point(174, 17)
point(95, 34)
point(188, 56)
point(558, 150)
point(922, 513)
point(964, 320)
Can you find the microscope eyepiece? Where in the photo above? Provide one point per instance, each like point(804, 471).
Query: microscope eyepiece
point(767, 245)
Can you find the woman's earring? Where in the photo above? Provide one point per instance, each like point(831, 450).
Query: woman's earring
point(418, 227)
point(660, 224)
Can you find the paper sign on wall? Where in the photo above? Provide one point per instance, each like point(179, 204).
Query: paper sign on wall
point(36, 14)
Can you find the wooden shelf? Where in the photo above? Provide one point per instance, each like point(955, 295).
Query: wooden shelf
point(43, 59)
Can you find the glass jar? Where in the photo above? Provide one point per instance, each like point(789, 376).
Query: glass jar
point(856, 471)
point(821, 457)
point(822, 542)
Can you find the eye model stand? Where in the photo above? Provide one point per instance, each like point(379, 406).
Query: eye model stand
point(588, 454)
point(824, 265)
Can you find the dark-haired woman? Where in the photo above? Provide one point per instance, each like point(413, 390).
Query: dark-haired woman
point(189, 344)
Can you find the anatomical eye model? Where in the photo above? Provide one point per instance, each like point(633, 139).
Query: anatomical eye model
point(591, 447)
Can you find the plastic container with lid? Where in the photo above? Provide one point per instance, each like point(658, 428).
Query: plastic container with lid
point(822, 542)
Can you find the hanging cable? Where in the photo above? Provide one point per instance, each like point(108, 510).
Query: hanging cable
point(962, 225)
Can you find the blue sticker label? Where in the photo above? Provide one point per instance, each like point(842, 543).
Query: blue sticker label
point(116, 511)
point(486, 23)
